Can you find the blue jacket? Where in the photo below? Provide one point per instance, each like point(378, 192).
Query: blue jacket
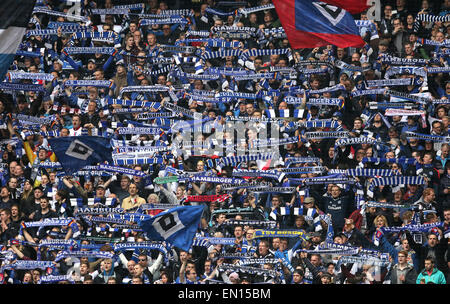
point(436, 277)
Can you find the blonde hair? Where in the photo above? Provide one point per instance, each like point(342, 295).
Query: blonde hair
point(383, 218)
point(153, 195)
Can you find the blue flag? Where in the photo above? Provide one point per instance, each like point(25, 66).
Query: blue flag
point(14, 18)
point(177, 226)
point(76, 152)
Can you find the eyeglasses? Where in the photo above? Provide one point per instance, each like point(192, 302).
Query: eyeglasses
point(143, 260)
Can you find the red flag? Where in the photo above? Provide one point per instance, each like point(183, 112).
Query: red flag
point(351, 6)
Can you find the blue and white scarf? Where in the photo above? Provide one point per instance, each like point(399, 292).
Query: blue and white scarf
point(79, 254)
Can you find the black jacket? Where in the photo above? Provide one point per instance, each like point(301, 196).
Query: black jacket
point(410, 277)
point(423, 251)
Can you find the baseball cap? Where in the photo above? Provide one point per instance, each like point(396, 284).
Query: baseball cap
point(384, 42)
point(58, 60)
point(91, 60)
point(309, 200)
point(38, 188)
point(337, 114)
point(315, 233)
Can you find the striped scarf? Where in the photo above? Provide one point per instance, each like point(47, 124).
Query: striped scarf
point(406, 161)
point(132, 217)
point(79, 202)
point(398, 180)
point(213, 42)
point(277, 33)
point(138, 161)
point(135, 103)
point(266, 52)
point(368, 172)
point(429, 18)
point(108, 36)
point(221, 53)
